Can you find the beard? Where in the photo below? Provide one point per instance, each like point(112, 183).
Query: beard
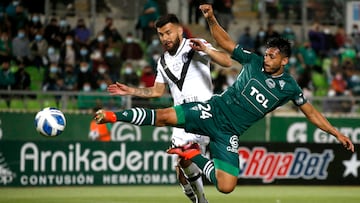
point(172, 50)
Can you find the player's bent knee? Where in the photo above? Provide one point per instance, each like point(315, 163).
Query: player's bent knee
point(225, 187)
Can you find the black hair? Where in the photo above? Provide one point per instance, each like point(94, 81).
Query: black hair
point(165, 19)
point(282, 44)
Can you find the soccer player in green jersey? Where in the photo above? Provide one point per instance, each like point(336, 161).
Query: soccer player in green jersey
point(261, 86)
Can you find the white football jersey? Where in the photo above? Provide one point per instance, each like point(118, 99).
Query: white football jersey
point(197, 85)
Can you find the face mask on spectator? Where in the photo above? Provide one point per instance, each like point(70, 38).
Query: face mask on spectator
point(83, 52)
point(129, 39)
point(292, 60)
point(155, 57)
point(63, 23)
point(109, 53)
point(21, 35)
point(86, 88)
point(83, 69)
point(51, 50)
point(103, 86)
point(155, 42)
point(15, 3)
point(53, 69)
point(68, 42)
point(35, 19)
point(102, 70)
point(128, 70)
point(261, 34)
point(38, 37)
point(101, 38)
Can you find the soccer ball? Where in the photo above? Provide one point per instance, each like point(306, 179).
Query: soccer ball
point(50, 122)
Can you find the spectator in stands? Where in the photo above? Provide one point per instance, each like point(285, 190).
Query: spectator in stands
point(330, 44)
point(355, 35)
point(70, 78)
point(102, 74)
point(317, 39)
point(114, 62)
point(271, 32)
point(52, 33)
point(85, 76)
point(51, 76)
point(99, 43)
point(348, 52)
point(112, 35)
point(22, 78)
point(260, 41)
point(129, 75)
point(147, 20)
point(84, 54)
point(340, 36)
point(69, 52)
point(246, 40)
point(53, 56)
point(5, 46)
point(289, 34)
point(223, 11)
point(64, 29)
point(35, 25)
point(194, 10)
point(21, 48)
point(38, 49)
point(82, 33)
point(7, 81)
point(131, 49)
point(307, 58)
point(272, 9)
point(20, 20)
point(147, 77)
point(154, 51)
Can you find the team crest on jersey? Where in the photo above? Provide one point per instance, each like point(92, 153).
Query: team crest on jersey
point(270, 83)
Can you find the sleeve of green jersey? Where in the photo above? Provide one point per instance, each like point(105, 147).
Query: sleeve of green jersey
point(242, 56)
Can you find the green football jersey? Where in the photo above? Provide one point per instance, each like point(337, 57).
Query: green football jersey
point(255, 93)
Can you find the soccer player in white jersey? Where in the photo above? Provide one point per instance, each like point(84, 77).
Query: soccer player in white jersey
point(187, 73)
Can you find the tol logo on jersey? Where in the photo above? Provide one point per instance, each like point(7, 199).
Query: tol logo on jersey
point(269, 166)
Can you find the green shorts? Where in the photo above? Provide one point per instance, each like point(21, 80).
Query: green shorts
point(201, 118)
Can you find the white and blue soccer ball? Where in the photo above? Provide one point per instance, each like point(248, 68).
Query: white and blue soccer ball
point(50, 122)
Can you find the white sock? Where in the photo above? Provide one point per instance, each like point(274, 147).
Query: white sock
point(193, 174)
point(189, 192)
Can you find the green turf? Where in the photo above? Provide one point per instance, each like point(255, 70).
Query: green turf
point(173, 194)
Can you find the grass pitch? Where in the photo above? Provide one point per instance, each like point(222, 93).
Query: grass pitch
point(173, 194)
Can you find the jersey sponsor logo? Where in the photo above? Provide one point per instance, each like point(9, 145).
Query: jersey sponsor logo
point(260, 97)
point(258, 163)
point(300, 100)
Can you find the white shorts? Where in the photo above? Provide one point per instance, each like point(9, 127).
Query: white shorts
point(180, 138)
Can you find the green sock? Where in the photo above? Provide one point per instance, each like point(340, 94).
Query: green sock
point(137, 116)
point(206, 166)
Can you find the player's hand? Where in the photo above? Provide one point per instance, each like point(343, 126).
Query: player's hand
point(207, 10)
point(119, 89)
point(346, 142)
point(197, 45)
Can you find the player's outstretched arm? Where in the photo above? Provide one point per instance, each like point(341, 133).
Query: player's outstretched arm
point(219, 57)
point(219, 34)
point(321, 122)
point(149, 92)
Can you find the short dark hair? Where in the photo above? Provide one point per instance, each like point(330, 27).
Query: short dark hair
point(282, 44)
point(165, 19)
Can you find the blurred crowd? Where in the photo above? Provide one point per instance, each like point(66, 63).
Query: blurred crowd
point(72, 58)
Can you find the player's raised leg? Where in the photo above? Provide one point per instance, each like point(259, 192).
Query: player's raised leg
point(139, 116)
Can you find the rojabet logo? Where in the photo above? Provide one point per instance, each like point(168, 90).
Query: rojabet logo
point(258, 163)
